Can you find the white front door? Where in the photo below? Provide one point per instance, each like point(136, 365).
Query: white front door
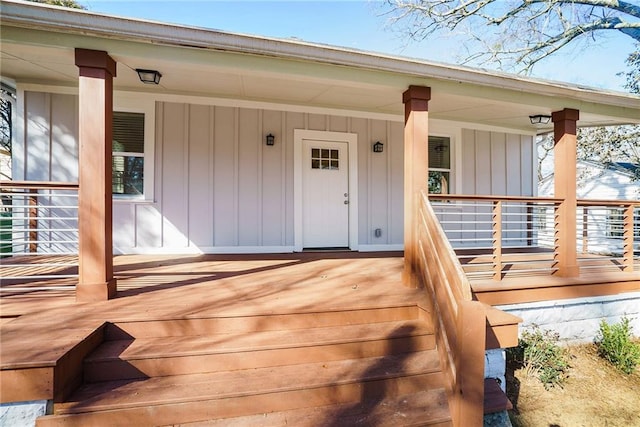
point(325, 194)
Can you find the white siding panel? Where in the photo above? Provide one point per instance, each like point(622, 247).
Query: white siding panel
point(338, 124)
point(498, 167)
point(378, 194)
point(148, 220)
point(175, 226)
point(528, 172)
point(483, 163)
point(123, 227)
point(272, 181)
point(468, 172)
point(64, 138)
point(395, 153)
point(199, 186)
point(38, 136)
point(225, 213)
point(514, 153)
point(361, 128)
point(249, 153)
point(316, 122)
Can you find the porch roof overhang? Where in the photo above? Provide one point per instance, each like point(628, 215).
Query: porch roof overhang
point(38, 44)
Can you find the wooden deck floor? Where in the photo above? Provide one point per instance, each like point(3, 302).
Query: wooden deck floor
point(165, 287)
point(225, 283)
point(275, 281)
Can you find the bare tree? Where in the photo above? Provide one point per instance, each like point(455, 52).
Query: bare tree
point(65, 3)
point(516, 34)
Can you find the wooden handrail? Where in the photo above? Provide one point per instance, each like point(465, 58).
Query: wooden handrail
point(28, 185)
point(460, 322)
point(489, 198)
point(595, 202)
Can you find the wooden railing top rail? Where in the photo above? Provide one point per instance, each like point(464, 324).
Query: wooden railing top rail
point(493, 198)
point(49, 185)
point(596, 202)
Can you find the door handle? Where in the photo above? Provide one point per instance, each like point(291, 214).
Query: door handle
point(346, 202)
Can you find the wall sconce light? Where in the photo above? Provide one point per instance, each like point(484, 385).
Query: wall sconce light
point(270, 139)
point(149, 76)
point(539, 119)
point(378, 147)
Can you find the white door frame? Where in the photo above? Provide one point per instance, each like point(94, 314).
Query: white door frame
point(351, 139)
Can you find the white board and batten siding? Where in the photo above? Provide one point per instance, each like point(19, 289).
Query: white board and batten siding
point(218, 188)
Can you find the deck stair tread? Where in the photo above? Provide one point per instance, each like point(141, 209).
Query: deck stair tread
point(204, 324)
point(158, 347)
point(424, 408)
point(103, 396)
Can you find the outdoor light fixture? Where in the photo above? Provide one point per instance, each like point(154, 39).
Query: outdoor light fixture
point(149, 76)
point(378, 147)
point(270, 139)
point(539, 119)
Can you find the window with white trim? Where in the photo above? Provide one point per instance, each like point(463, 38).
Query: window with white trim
point(439, 165)
point(128, 153)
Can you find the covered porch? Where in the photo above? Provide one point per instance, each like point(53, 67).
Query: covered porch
point(215, 182)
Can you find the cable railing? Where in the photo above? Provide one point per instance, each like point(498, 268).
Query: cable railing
point(608, 235)
point(38, 235)
point(495, 236)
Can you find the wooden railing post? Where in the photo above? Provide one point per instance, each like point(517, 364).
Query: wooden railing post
point(585, 230)
point(470, 378)
point(496, 237)
point(627, 249)
point(416, 170)
point(95, 207)
point(33, 221)
point(565, 160)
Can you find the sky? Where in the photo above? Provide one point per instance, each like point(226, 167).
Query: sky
point(361, 24)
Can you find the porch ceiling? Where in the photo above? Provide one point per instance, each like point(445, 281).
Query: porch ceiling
point(46, 57)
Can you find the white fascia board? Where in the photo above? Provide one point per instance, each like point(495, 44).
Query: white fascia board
point(34, 15)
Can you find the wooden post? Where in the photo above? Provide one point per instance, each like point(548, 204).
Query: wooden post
point(585, 230)
point(496, 231)
point(627, 254)
point(416, 169)
point(565, 130)
point(96, 72)
point(471, 331)
point(33, 220)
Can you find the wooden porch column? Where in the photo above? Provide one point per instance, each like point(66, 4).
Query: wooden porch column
point(565, 130)
point(416, 169)
point(96, 72)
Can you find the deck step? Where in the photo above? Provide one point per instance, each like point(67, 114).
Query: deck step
point(201, 397)
point(162, 356)
point(238, 324)
point(425, 408)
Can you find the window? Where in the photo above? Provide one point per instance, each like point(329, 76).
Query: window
point(322, 158)
point(439, 164)
point(128, 153)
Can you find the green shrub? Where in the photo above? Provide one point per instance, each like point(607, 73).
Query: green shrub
point(615, 344)
point(541, 356)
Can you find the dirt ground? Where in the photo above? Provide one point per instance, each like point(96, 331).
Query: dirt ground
point(594, 395)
